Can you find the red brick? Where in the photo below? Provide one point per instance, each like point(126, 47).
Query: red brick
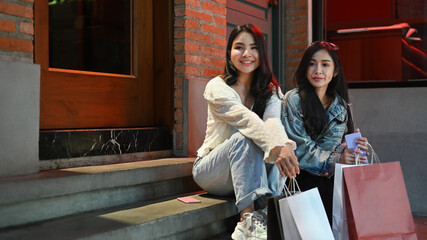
point(26, 27)
point(178, 127)
point(214, 8)
point(177, 34)
point(192, 47)
point(202, 60)
point(220, 42)
point(178, 93)
point(300, 12)
point(290, 5)
point(219, 63)
point(179, 11)
point(178, 81)
point(178, 116)
point(297, 30)
point(192, 70)
point(15, 44)
point(297, 46)
point(214, 30)
point(220, 21)
point(186, 46)
point(187, 70)
point(27, 1)
point(220, 52)
point(179, 23)
point(222, 2)
point(179, 58)
point(199, 15)
point(178, 141)
point(178, 2)
point(179, 69)
point(198, 37)
point(177, 104)
point(7, 26)
point(301, 3)
point(187, 23)
point(16, 10)
point(194, 3)
point(191, 24)
point(300, 38)
point(209, 72)
point(300, 22)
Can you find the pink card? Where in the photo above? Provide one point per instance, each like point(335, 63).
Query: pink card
point(188, 200)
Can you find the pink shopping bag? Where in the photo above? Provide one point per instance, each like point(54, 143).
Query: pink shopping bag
point(377, 204)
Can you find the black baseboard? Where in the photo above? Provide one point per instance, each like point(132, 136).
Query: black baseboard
point(63, 144)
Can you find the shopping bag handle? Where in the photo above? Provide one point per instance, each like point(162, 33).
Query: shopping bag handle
point(291, 189)
point(374, 156)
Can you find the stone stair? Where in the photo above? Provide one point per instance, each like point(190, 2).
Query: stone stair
point(135, 200)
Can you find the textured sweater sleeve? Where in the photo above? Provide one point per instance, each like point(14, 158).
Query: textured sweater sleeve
point(226, 105)
point(272, 118)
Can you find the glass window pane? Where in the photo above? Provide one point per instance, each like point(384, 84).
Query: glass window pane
point(90, 35)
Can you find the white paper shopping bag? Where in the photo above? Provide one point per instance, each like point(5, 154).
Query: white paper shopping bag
point(290, 230)
point(339, 216)
point(303, 214)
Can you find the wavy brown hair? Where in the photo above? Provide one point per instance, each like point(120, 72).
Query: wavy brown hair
point(263, 81)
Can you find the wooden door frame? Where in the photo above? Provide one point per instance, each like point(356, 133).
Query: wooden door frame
point(147, 89)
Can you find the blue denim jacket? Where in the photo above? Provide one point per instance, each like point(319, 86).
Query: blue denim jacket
point(317, 156)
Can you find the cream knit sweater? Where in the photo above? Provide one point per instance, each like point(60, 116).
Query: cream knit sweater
point(227, 115)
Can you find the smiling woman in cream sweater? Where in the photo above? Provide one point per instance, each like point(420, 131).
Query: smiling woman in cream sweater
point(246, 148)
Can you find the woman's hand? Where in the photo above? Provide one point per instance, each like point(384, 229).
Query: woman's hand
point(286, 161)
point(349, 155)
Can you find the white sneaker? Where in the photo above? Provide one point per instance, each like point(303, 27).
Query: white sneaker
point(253, 227)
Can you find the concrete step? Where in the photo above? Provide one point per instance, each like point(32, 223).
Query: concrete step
point(65, 192)
point(166, 219)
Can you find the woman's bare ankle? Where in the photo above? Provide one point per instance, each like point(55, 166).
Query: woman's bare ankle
point(248, 209)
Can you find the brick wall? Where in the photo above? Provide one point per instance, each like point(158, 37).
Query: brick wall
point(296, 33)
point(199, 51)
point(17, 31)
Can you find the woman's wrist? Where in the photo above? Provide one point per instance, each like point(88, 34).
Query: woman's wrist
point(289, 145)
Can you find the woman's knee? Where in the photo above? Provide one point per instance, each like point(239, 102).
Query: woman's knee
point(241, 141)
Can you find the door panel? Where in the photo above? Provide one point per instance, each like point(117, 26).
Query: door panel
point(77, 100)
point(257, 12)
point(73, 99)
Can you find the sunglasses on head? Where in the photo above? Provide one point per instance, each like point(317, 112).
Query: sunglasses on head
point(327, 45)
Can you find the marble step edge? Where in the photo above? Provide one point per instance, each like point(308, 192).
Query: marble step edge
point(158, 220)
point(48, 184)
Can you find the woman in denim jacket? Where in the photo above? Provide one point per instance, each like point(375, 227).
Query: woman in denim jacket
point(316, 116)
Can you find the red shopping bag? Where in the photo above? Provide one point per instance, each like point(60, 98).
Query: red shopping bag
point(377, 204)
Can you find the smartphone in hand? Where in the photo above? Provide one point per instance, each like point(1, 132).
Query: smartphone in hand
point(351, 138)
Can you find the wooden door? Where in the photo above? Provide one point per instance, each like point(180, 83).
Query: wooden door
point(257, 12)
point(74, 98)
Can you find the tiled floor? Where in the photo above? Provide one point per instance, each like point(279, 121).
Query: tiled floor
point(421, 226)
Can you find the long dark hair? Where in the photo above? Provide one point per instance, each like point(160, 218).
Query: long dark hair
point(263, 81)
point(315, 118)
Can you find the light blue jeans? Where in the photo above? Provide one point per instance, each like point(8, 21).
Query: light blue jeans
point(237, 166)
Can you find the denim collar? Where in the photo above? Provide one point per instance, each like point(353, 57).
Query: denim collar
point(336, 110)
